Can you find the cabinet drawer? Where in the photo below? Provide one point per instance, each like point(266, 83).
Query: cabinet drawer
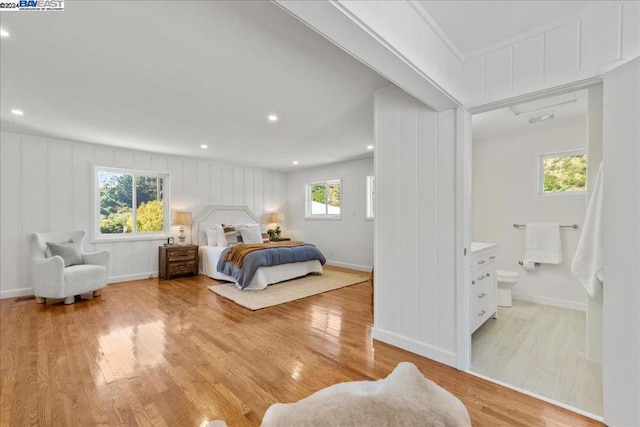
point(481, 277)
point(180, 268)
point(483, 260)
point(182, 254)
point(479, 315)
point(483, 292)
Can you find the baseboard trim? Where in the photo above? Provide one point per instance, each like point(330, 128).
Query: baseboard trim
point(132, 277)
point(12, 293)
point(358, 267)
point(549, 301)
point(417, 347)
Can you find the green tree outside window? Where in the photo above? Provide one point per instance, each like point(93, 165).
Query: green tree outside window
point(564, 174)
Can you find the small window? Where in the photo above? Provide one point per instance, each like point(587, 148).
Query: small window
point(130, 204)
point(324, 199)
point(371, 196)
point(563, 173)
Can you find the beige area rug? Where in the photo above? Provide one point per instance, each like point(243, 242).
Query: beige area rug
point(290, 290)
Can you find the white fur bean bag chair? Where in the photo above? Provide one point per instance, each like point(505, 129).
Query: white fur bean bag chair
point(404, 398)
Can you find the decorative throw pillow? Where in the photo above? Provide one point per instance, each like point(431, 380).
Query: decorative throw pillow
point(251, 235)
point(68, 251)
point(231, 235)
point(212, 237)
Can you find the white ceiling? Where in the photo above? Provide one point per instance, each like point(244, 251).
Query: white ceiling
point(568, 108)
point(152, 76)
point(474, 26)
point(156, 77)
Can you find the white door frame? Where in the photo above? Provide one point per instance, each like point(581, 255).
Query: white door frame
point(464, 204)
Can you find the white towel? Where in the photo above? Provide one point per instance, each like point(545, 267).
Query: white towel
point(587, 262)
point(542, 243)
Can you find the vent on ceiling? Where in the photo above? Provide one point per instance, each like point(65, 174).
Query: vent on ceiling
point(543, 117)
point(543, 104)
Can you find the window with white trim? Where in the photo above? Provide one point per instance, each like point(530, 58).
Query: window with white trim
point(563, 173)
point(371, 196)
point(130, 204)
point(323, 199)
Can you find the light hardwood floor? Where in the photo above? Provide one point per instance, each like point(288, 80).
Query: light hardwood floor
point(541, 349)
point(157, 352)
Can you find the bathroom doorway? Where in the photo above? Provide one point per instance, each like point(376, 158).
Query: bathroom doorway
point(535, 163)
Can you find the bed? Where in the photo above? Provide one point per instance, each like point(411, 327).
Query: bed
point(209, 255)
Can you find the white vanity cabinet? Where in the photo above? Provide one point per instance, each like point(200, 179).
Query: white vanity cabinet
point(483, 287)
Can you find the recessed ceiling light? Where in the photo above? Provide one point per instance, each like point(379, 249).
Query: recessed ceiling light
point(17, 112)
point(203, 146)
point(295, 162)
point(273, 118)
point(4, 33)
point(369, 147)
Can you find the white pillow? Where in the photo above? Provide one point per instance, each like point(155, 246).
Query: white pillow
point(212, 237)
point(251, 235)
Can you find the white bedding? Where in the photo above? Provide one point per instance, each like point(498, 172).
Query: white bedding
point(209, 255)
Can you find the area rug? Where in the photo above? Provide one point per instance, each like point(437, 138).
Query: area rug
point(290, 290)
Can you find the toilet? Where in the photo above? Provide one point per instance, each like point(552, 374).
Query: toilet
point(506, 280)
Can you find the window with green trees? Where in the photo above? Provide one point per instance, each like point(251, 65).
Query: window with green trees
point(131, 202)
point(324, 199)
point(563, 172)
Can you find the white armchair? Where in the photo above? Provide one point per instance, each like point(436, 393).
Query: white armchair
point(51, 279)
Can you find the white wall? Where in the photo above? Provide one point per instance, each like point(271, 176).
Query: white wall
point(579, 48)
point(505, 177)
point(415, 271)
point(46, 186)
point(347, 242)
point(621, 241)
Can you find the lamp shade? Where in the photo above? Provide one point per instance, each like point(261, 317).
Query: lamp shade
point(181, 218)
point(275, 217)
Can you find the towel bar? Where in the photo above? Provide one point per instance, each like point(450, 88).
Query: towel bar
point(574, 226)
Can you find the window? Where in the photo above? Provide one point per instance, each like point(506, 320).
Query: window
point(562, 173)
point(371, 196)
point(131, 204)
point(324, 199)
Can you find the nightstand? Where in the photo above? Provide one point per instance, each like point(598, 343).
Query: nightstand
point(177, 260)
point(281, 239)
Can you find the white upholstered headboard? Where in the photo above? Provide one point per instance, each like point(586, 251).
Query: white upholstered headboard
point(219, 214)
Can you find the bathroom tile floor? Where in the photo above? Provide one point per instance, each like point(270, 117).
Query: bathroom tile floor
point(541, 349)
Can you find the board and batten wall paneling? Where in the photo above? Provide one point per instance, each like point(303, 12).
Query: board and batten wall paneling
point(581, 47)
point(347, 242)
point(415, 235)
point(47, 186)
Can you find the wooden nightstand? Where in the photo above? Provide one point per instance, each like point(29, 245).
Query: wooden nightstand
point(177, 260)
point(281, 239)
